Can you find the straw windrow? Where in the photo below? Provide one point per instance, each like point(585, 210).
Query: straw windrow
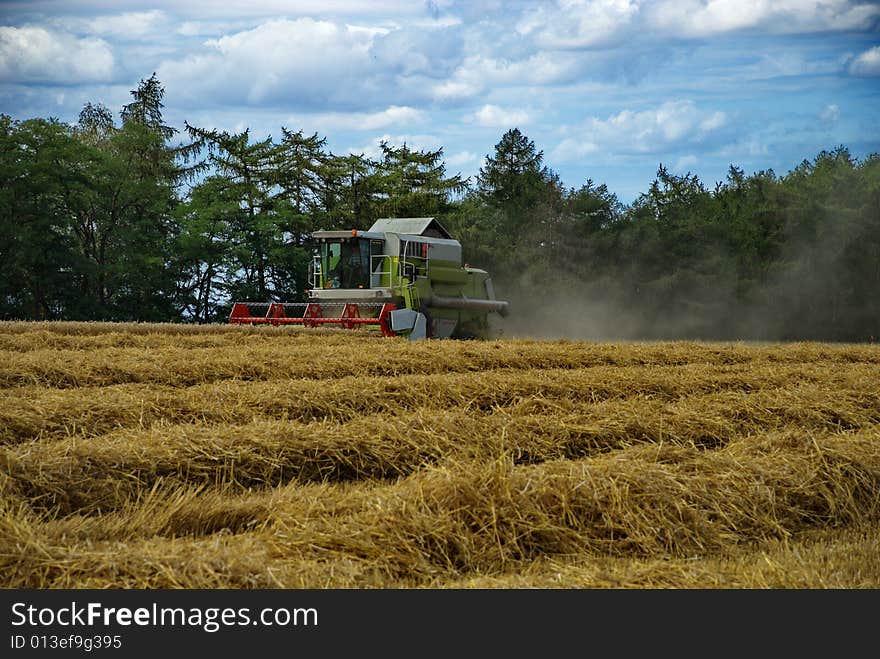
point(169, 456)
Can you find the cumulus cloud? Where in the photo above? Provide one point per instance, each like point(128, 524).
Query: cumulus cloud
point(668, 126)
point(479, 72)
point(314, 65)
point(431, 52)
point(867, 64)
point(351, 70)
point(586, 24)
point(493, 116)
point(211, 9)
point(456, 89)
point(579, 23)
point(35, 54)
point(393, 116)
point(302, 62)
point(701, 18)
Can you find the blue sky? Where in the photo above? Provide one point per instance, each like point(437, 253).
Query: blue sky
point(607, 89)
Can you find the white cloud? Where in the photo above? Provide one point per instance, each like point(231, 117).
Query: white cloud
point(539, 68)
point(670, 125)
point(476, 73)
point(579, 23)
point(313, 65)
point(211, 9)
point(493, 116)
point(392, 116)
point(304, 61)
point(456, 89)
point(295, 37)
point(369, 30)
point(700, 18)
point(866, 64)
point(35, 54)
point(411, 50)
point(588, 24)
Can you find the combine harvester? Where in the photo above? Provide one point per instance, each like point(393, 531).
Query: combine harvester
point(403, 276)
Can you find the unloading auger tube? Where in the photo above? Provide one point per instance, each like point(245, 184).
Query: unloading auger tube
point(403, 276)
point(489, 306)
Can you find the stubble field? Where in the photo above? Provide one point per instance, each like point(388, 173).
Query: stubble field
point(170, 456)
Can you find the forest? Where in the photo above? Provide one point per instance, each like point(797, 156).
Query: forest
point(131, 219)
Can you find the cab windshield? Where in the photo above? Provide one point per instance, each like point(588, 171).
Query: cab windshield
point(346, 263)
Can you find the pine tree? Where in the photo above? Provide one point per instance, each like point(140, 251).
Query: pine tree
point(126, 231)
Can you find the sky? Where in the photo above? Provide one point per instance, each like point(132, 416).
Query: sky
point(607, 89)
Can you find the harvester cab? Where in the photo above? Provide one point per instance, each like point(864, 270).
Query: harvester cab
point(403, 276)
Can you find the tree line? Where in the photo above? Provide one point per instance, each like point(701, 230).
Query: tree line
point(137, 221)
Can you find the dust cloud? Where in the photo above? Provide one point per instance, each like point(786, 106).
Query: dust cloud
point(808, 298)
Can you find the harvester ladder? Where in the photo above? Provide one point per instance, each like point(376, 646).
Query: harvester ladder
point(411, 296)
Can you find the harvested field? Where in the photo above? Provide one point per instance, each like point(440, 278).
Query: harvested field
point(169, 456)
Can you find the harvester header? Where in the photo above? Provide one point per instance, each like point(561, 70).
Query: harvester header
point(403, 276)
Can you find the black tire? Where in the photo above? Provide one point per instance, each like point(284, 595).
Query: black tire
point(464, 334)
